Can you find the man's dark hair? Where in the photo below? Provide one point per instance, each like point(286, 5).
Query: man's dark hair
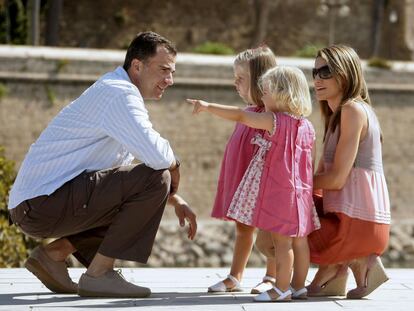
point(145, 46)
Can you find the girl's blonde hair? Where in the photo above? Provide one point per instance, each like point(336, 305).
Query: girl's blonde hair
point(346, 68)
point(257, 61)
point(289, 89)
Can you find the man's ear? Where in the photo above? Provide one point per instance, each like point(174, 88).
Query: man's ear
point(136, 64)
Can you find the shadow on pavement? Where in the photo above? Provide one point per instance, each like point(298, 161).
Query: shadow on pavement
point(156, 299)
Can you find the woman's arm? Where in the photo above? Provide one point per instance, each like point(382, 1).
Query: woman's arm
point(353, 120)
point(320, 169)
point(258, 120)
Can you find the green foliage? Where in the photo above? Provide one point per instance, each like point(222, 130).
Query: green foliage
point(13, 22)
point(379, 62)
point(4, 90)
point(14, 245)
point(214, 48)
point(61, 64)
point(13, 249)
point(124, 45)
point(51, 96)
point(121, 17)
point(308, 51)
point(7, 176)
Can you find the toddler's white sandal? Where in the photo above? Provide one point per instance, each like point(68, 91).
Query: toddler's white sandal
point(267, 283)
point(282, 296)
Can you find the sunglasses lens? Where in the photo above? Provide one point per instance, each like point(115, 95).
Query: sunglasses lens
point(325, 73)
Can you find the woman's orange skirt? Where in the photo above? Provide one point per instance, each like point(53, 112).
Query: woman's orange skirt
point(342, 238)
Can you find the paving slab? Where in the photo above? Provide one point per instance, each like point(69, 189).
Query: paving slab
point(185, 289)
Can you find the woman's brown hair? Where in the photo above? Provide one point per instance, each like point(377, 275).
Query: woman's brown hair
point(345, 65)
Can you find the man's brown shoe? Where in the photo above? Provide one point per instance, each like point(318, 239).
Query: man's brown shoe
point(53, 274)
point(111, 284)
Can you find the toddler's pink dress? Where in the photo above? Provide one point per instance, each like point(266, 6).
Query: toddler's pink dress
point(275, 193)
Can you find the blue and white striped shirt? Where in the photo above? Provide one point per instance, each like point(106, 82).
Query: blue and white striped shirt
point(107, 126)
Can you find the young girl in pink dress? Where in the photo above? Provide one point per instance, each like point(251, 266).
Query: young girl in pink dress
point(249, 65)
point(275, 193)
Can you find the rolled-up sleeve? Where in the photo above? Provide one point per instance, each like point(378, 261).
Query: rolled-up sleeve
point(126, 120)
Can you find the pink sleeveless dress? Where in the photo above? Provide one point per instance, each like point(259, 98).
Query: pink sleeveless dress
point(275, 193)
point(357, 217)
point(237, 156)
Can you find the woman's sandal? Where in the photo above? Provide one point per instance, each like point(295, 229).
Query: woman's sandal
point(267, 283)
point(374, 278)
point(280, 296)
point(221, 287)
point(334, 287)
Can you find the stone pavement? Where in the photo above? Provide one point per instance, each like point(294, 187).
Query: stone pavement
point(185, 289)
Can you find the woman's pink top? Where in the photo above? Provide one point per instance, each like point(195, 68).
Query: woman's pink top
point(276, 191)
point(365, 193)
point(237, 156)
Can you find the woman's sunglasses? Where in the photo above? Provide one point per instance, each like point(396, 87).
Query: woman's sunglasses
point(324, 72)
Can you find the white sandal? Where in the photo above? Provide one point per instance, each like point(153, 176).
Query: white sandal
point(282, 296)
point(301, 294)
point(267, 283)
point(220, 287)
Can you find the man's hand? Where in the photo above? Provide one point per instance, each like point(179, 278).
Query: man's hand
point(199, 105)
point(184, 212)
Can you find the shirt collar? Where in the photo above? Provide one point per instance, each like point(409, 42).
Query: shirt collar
point(120, 71)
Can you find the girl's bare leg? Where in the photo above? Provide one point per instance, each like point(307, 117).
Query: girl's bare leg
point(301, 262)
point(284, 260)
point(271, 267)
point(242, 249)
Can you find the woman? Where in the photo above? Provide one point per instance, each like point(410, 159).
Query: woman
point(356, 210)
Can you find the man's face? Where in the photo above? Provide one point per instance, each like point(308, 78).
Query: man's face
point(154, 75)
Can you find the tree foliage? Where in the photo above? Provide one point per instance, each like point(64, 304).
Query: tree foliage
point(13, 22)
point(14, 245)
